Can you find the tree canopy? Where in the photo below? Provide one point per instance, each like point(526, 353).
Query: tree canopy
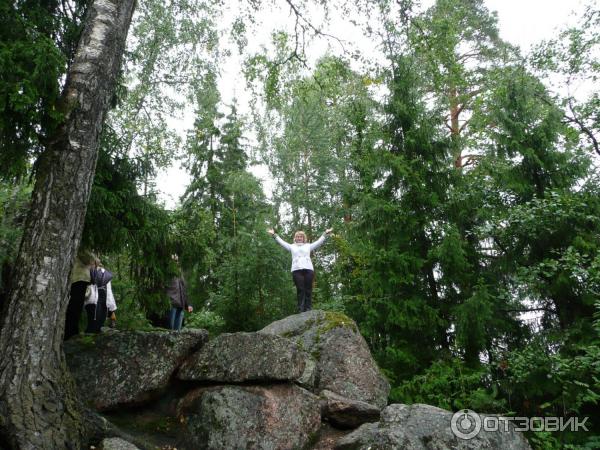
point(460, 175)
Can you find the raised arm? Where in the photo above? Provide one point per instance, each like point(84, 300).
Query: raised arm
point(279, 240)
point(315, 245)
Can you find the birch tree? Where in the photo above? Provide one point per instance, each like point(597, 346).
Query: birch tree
point(38, 405)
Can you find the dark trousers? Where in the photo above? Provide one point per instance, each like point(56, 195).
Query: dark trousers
point(74, 308)
point(96, 314)
point(303, 280)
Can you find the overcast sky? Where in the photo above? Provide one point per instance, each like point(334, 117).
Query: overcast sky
point(521, 22)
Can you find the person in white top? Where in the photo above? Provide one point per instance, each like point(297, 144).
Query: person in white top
point(302, 267)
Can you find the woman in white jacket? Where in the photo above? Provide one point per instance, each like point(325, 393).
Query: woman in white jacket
point(302, 267)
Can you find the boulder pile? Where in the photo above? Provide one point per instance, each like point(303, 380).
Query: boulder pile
point(305, 382)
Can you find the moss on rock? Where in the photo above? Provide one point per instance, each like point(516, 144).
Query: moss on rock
point(333, 319)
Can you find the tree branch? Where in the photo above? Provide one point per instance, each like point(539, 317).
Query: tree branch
point(462, 127)
point(468, 55)
point(578, 122)
point(582, 127)
point(309, 25)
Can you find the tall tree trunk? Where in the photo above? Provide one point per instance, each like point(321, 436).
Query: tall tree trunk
point(38, 405)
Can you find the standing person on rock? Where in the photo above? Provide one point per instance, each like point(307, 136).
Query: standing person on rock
point(177, 293)
point(302, 268)
point(102, 304)
point(80, 279)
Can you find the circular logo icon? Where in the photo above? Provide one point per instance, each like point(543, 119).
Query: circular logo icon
point(465, 424)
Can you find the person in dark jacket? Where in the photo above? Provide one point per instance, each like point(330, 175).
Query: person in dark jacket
point(103, 305)
point(179, 301)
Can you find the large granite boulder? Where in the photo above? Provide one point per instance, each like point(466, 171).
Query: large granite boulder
point(129, 366)
point(246, 357)
point(280, 416)
point(424, 427)
point(344, 362)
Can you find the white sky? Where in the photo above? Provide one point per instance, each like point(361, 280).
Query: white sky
point(521, 22)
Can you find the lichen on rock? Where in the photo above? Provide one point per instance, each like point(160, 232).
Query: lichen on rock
point(344, 362)
point(127, 367)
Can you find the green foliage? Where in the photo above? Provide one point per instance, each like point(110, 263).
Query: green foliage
point(472, 319)
point(448, 247)
point(451, 385)
point(526, 133)
point(130, 314)
point(120, 221)
point(559, 383)
point(555, 242)
point(387, 258)
point(207, 320)
point(460, 188)
point(232, 273)
point(37, 42)
point(568, 61)
point(458, 47)
point(248, 295)
point(14, 199)
point(168, 53)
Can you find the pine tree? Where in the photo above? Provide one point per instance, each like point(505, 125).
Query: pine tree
point(402, 186)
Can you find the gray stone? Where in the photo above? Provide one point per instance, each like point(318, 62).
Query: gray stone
point(244, 357)
point(344, 362)
point(116, 444)
point(308, 377)
point(303, 327)
point(129, 366)
point(345, 413)
point(328, 436)
point(424, 427)
point(273, 417)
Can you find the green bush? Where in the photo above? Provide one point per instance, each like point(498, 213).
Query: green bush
point(206, 319)
point(451, 385)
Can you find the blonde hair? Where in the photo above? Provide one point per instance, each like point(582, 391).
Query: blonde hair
point(300, 233)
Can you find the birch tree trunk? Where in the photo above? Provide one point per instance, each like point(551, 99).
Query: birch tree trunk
point(38, 405)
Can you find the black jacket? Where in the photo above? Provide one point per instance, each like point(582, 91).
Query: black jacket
point(177, 293)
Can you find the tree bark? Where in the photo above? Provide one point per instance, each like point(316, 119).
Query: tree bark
point(38, 405)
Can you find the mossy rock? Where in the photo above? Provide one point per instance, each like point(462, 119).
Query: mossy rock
point(344, 362)
point(307, 329)
point(334, 319)
point(133, 366)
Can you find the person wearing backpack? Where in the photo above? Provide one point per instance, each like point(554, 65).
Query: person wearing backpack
point(100, 302)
